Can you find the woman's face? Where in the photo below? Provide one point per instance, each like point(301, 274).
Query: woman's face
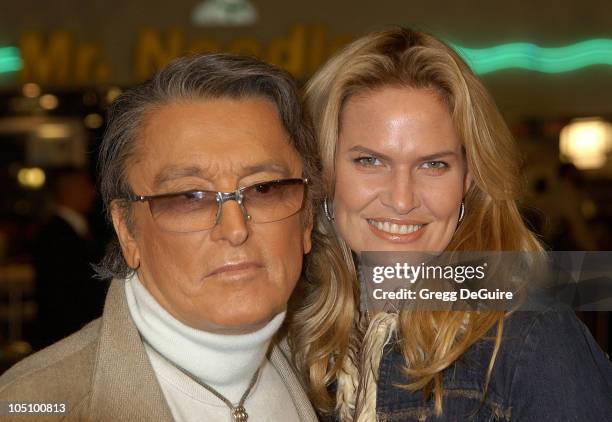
point(400, 171)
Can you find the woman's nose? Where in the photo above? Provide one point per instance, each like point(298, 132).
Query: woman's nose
point(400, 193)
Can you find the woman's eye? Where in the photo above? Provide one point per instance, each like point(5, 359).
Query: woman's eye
point(367, 161)
point(434, 165)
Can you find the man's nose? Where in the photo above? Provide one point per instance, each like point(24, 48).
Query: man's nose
point(399, 193)
point(232, 224)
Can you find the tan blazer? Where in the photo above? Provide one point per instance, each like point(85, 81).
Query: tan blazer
point(102, 373)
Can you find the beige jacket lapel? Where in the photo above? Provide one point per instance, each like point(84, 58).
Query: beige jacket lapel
point(286, 372)
point(125, 387)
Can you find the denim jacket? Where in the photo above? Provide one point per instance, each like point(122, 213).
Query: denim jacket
point(548, 368)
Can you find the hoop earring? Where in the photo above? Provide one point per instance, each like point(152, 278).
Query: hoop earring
point(461, 212)
point(327, 210)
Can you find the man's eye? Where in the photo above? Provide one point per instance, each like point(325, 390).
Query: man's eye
point(263, 189)
point(367, 161)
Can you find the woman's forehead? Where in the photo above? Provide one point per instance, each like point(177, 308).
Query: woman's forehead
point(398, 120)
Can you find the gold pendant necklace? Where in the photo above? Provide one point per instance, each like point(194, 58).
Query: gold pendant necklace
point(238, 413)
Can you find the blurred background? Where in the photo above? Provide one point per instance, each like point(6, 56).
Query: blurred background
point(548, 65)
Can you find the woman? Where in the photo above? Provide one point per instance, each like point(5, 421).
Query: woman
point(416, 157)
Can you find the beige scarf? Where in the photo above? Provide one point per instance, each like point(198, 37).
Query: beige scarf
point(356, 394)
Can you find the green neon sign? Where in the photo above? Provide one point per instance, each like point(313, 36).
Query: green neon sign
point(531, 57)
point(10, 60)
point(481, 60)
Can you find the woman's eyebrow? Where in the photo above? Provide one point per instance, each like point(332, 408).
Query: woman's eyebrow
point(437, 155)
point(365, 150)
point(434, 156)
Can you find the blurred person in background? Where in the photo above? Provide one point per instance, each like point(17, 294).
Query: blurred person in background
point(570, 229)
point(66, 292)
point(417, 158)
point(562, 223)
point(203, 172)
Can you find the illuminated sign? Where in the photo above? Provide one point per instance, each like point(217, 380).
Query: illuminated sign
point(59, 59)
point(224, 13)
point(9, 59)
point(540, 59)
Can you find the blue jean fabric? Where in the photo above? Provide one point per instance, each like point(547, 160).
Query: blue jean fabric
point(549, 368)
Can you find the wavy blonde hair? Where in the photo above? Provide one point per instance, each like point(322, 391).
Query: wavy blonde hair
point(325, 329)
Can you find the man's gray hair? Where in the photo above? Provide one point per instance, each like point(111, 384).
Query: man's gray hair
point(199, 77)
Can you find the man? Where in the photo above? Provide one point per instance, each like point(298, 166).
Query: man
point(203, 171)
point(66, 295)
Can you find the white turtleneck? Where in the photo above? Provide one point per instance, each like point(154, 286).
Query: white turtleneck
point(224, 362)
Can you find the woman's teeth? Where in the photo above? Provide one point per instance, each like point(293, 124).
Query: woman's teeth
point(395, 228)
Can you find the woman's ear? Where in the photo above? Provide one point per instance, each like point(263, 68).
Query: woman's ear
point(467, 182)
point(128, 243)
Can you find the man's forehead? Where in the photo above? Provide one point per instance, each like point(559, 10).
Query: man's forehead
point(214, 139)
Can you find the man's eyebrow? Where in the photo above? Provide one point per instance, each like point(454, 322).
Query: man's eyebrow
point(172, 172)
point(271, 166)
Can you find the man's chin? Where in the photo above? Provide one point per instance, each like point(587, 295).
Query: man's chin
point(240, 323)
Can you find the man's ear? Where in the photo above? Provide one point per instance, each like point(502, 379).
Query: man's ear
point(307, 227)
point(129, 247)
point(308, 237)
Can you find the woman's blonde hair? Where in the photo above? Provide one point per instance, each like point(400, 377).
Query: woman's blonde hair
point(325, 330)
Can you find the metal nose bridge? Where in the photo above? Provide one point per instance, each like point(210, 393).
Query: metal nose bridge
point(237, 196)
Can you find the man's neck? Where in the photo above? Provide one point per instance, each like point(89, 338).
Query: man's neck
point(225, 362)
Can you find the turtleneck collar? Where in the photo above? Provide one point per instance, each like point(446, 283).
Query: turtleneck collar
point(225, 362)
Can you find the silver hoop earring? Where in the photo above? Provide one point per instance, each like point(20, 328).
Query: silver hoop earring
point(327, 209)
point(461, 212)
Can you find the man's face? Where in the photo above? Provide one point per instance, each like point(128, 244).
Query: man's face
point(236, 276)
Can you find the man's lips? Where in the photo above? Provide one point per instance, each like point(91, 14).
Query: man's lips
point(235, 269)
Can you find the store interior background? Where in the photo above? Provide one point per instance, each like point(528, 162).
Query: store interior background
point(63, 62)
